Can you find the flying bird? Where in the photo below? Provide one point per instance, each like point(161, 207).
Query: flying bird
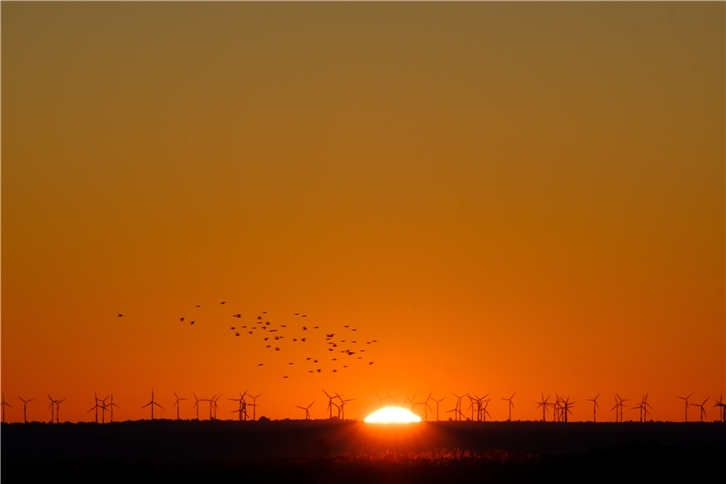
point(222, 302)
point(181, 319)
point(192, 322)
point(236, 334)
point(120, 315)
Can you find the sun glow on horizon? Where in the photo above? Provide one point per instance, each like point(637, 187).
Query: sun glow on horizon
point(392, 415)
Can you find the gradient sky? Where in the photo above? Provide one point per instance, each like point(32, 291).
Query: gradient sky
point(509, 197)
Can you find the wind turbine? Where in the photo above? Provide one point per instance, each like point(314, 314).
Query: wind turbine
point(643, 408)
point(254, 405)
point(216, 407)
point(594, 406)
point(458, 413)
point(177, 405)
point(4, 404)
point(557, 408)
point(152, 403)
point(620, 404)
point(111, 405)
point(511, 406)
point(566, 404)
point(96, 406)
point(57, 409)
point(342, 407)
point(25, 405)
point(721, 404)
point(307, 410)
point(437, 406)
point(615, 407)
point(331, 404)
point(242, 410)
point(686, 401)
point(425, 404)
point(544, 404)
point(474, 406)
point(703, 410)
point(196, 403)
point(484, 410)
point(52, 408)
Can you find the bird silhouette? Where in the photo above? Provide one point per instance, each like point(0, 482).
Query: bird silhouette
point(192, 322)
point(236, 334)
point(120, 315)
point(222, 302)
point(181, 319)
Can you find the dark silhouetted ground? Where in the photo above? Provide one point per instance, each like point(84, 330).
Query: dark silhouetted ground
point(340, 452)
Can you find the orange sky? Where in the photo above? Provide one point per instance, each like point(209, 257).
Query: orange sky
point(508, 197)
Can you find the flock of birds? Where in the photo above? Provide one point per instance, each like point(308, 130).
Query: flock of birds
point(343, 346)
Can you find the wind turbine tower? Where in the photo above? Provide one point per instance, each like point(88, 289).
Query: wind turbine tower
point(177, 405)
point(595, 406)
point(151, 404)
point(511, 406)
point(307, 410)
point(685, 399)
point(4, 404)
point(25, 406)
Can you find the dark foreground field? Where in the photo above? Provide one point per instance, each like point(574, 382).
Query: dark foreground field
point(340, 452)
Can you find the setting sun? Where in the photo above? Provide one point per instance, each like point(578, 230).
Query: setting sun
point(392, 415)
